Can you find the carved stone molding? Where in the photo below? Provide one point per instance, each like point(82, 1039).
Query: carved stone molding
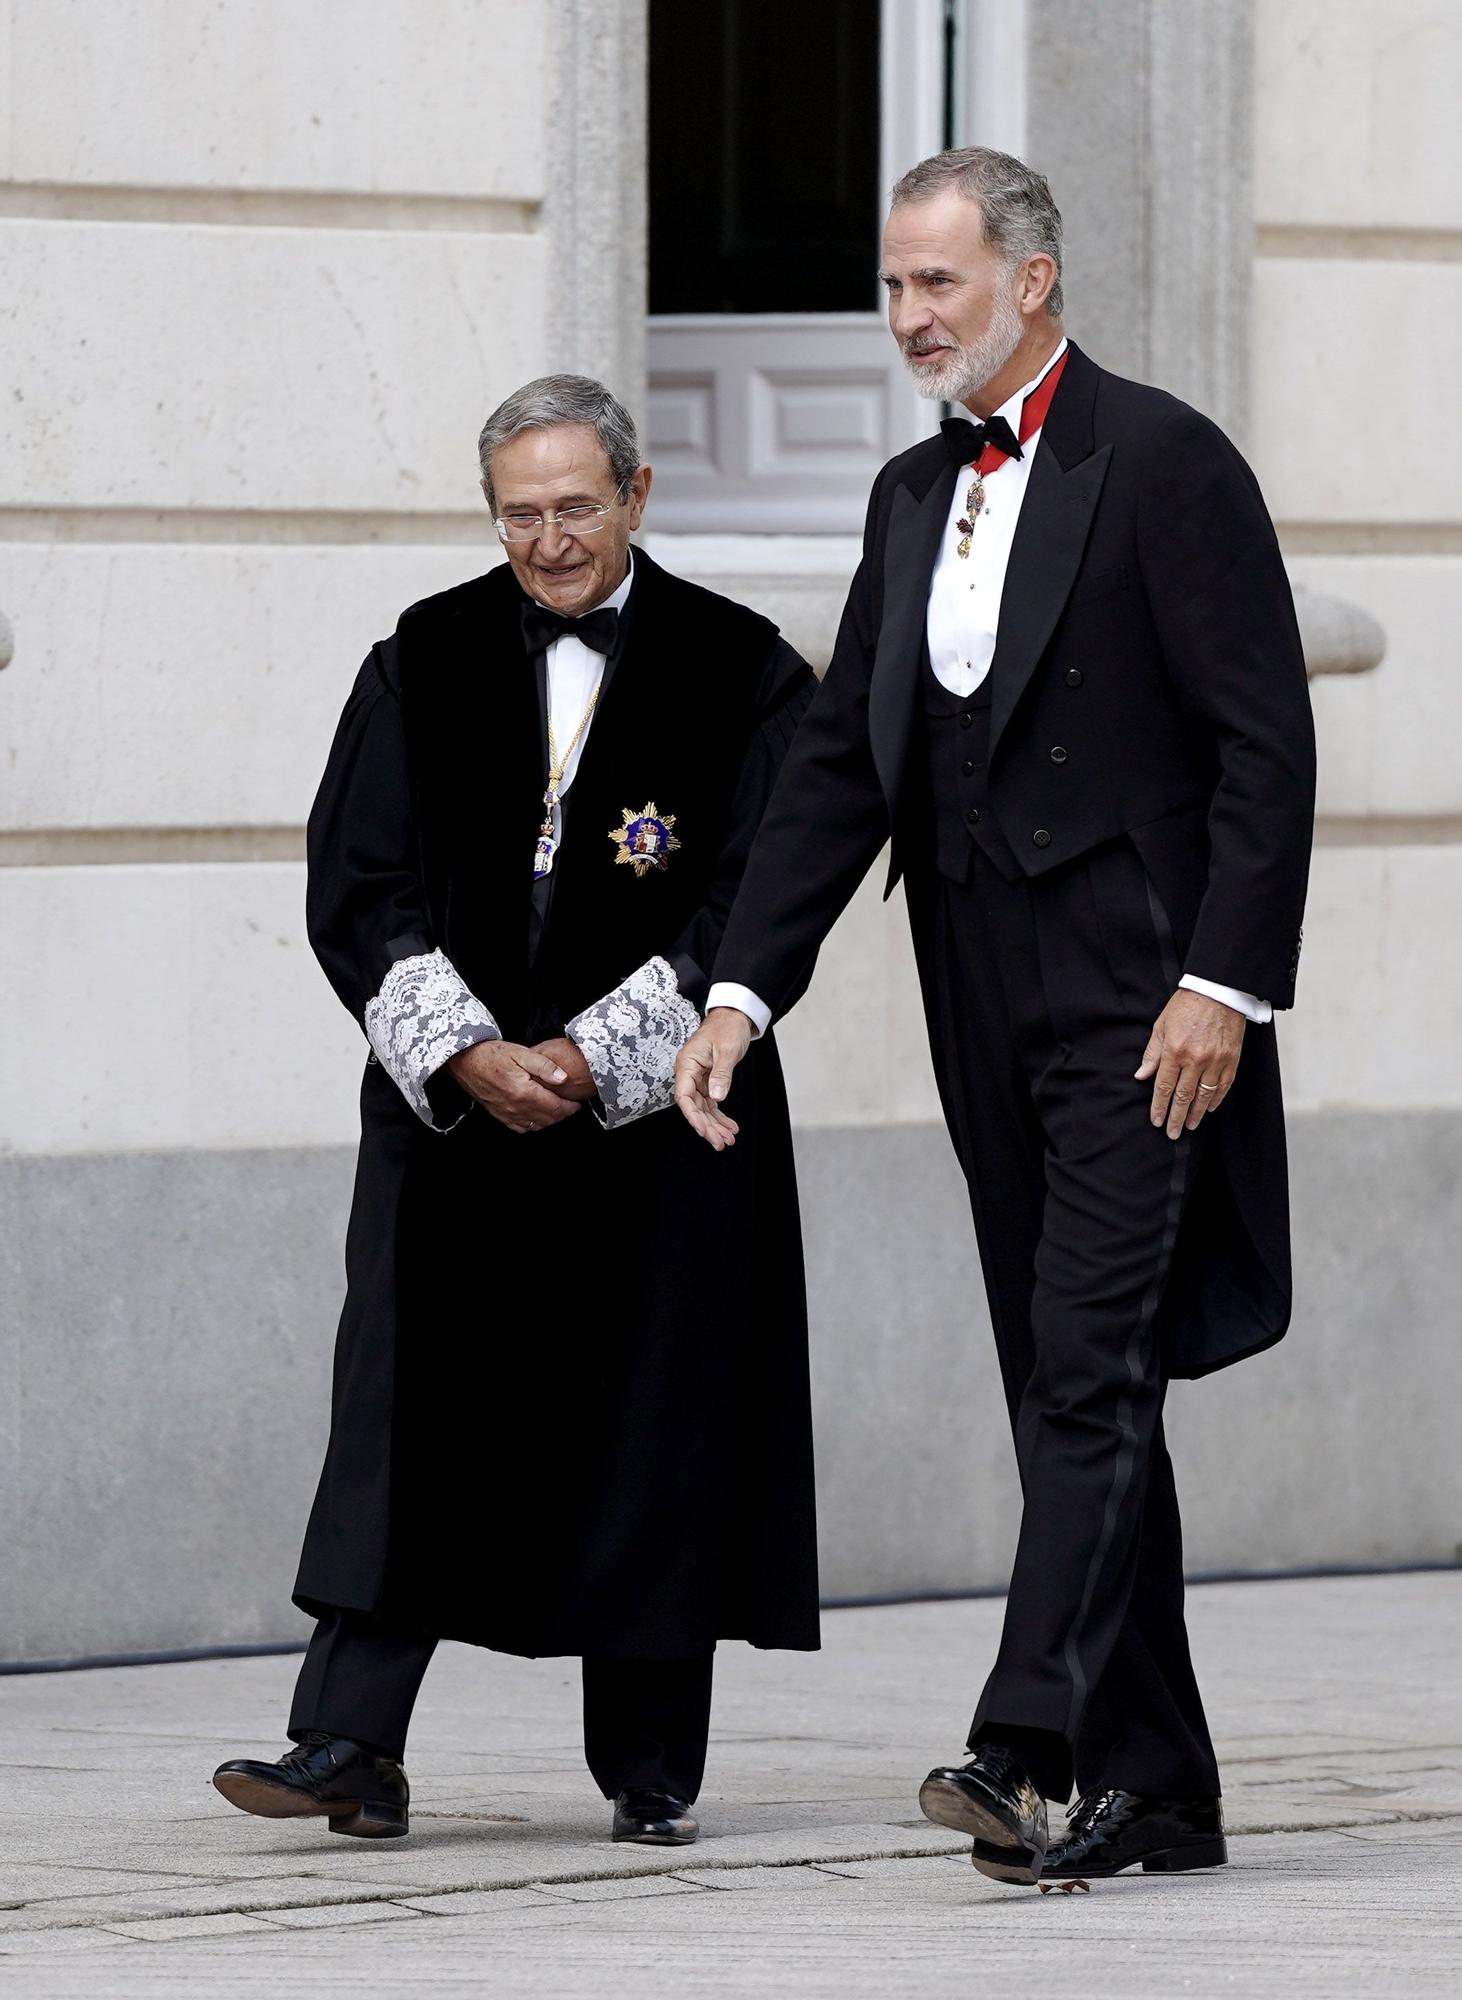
point(1140, 114)
point(594, 211)
point(1339, 637)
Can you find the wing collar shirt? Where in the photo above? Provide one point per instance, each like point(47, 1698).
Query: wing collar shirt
point(574, 671)
point(962, 622)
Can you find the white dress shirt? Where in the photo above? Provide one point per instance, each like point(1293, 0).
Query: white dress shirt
point(963, 614)
point(962, 622)
point(574, 671)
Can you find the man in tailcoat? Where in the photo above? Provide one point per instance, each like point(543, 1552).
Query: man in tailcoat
point(549, 1435)
point(1069, 687)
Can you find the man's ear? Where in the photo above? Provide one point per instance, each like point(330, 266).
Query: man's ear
point(1037, 279)
point(639, 493)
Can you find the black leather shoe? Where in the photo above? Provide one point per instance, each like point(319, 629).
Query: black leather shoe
point(655, 1819)
point(993, 1801)
point(1112, 1830)
point(323, 1775)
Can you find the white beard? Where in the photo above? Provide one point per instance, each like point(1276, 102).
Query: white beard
point(970, 367)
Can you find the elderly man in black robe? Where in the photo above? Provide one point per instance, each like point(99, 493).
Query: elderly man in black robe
point(550, 1435)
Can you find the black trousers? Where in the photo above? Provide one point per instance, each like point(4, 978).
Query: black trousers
point(646, 1722)
point(1041, 995)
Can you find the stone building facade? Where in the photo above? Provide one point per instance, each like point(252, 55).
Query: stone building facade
point(263, 268)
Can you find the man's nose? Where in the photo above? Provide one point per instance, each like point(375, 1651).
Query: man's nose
point(910, 317)
point(553, 538)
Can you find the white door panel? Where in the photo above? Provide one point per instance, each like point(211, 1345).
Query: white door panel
point(777, 422)
point(768, 424)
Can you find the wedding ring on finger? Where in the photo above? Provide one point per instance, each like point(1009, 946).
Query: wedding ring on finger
point(1208, 1086)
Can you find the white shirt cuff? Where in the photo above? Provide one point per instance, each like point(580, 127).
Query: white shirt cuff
point(1243, 1003)
point(726, 993)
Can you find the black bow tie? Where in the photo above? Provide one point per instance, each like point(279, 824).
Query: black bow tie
point(966, 440)
point(542, 626)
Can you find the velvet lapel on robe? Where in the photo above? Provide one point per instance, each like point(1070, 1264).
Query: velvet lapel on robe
point(669, 730)
point(477, 746)
point(545, 887)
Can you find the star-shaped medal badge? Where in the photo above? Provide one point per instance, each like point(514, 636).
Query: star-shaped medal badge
point(645, 840)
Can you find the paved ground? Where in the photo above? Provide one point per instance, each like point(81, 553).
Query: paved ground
point(1337, 1706)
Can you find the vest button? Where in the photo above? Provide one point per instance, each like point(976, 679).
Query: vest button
point(967, 769)
point(1041, 837)
point(1058, 755)
point(965, 719)
point(973, 815)
point(1073, 677)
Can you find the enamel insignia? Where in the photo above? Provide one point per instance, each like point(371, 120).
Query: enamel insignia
point(645, 840)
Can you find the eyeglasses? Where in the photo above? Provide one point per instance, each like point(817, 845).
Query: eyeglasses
point(577, 521)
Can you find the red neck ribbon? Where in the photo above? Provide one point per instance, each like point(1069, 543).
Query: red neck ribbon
point(1032, 416)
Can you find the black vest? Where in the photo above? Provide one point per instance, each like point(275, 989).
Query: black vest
point(957, 751)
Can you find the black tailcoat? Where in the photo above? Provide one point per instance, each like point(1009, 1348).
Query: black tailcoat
point(571, 1403)
point(1147, 631)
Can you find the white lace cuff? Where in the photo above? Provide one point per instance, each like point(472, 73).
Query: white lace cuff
point(630, 1040)
point(422, 1015)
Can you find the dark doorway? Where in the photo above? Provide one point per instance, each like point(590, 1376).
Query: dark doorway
point(764, 156)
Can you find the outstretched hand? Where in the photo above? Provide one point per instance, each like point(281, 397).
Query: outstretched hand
point(703, 1074)
point(1193, 1056)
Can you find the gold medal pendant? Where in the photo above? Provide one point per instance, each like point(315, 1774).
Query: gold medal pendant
point(546, 847)
point(974, 507)
point(645, 841)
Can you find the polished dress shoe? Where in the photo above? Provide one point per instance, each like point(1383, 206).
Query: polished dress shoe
point(1112, 1830)
point(321, 1776)
point(993, 1801)
point(655, 1819)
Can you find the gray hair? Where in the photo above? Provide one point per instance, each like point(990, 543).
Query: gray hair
point(1017, 214)
point(564, 399)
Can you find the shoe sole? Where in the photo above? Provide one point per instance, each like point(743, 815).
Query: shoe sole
point(373, 1821)
point(996, 1852)
point(1194, 1854)
point(1169, 1861)
point(655, 1839)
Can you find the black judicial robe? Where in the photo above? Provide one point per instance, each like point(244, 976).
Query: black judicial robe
point(571, 1408)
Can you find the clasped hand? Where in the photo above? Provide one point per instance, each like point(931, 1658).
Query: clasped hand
point(525, 1089)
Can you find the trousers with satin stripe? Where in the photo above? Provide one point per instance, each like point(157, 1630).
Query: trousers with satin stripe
point(1040, 997)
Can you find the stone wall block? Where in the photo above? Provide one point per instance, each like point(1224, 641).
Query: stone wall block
point(1388, 739)
point(160, 1007)
point(440, 97)
point(193, 685)
point(1332, 325)
point(180, 367)
point(1359, 121)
